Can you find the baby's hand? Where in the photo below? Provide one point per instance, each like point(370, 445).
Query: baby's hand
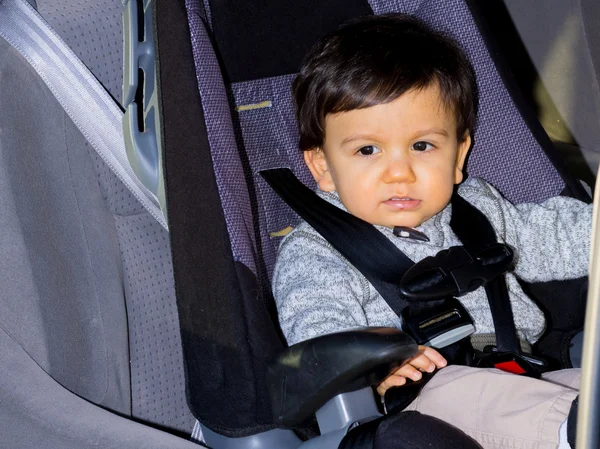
point(427, 359)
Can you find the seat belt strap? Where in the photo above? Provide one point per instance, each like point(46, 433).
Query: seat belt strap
point(83, 98)
point(358, 241)
point(475, 232)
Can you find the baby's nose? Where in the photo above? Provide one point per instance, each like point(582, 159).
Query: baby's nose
point(399, 170)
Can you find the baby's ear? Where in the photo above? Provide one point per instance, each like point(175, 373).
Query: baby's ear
point(317, 164)
point(461, 156)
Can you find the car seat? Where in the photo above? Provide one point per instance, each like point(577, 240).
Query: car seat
point(229, 116)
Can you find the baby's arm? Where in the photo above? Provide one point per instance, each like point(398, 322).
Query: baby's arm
point(316, 291)
point(426, 360)
point(551, 239)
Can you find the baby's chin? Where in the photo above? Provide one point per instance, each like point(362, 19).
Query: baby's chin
point(409, 222)
point(405, 219)
point(392, 222)
point(402, 223)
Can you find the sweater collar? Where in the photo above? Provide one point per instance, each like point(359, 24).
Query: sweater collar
point(436, 228)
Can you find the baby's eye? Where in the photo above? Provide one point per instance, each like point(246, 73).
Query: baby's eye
point(368, 150)
point(422, 146)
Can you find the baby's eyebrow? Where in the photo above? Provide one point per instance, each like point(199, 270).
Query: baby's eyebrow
point(374, 138)
point(354, 137)
point(440, 131)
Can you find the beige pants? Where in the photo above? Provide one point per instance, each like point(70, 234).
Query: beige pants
point(499, 409)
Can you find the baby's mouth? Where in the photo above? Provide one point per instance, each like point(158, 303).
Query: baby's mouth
point(402, 203)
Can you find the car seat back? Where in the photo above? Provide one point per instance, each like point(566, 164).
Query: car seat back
point(61, 268)
point(87, 271)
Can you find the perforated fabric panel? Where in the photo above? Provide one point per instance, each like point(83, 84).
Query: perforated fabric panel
point(229, 171)
point(158, 388)
point(505, 153)
point(94, 31)
point(118, 199)
point(270, 137)
point(157, 374)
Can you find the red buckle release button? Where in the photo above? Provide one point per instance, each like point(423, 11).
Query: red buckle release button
point(510, 366)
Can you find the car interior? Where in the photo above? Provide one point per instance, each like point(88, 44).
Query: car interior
point(138, 233)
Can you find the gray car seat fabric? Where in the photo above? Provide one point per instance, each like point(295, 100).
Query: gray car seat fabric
point(61, 270)
point(87, 275)
point(43, 414)
point(156, 360)
point(94, 31)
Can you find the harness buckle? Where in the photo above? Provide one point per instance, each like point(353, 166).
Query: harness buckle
point(455, 272)
point(440, 325)
point(511, 362)
point(452, 272)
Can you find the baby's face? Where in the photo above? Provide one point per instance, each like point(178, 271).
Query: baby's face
point(393, 164)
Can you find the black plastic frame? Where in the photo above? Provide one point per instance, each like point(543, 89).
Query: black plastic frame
point(224, 357)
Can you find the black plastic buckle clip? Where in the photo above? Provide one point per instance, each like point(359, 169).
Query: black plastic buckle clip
point(438, 326)
point(455, 272)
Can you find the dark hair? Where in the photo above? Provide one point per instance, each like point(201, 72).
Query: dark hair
point(373, 60)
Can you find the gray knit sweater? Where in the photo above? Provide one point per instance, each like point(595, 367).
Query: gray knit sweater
point(318, 292)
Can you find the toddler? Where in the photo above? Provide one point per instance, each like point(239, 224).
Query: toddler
point(385, 110)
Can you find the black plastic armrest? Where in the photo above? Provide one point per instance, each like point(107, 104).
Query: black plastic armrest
point(307, 375)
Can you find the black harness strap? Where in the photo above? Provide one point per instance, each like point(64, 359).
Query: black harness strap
point(358, 241)
point(475, 232)
point(380, 261)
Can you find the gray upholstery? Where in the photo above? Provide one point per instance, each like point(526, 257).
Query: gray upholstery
point(88, 313)
point(157, 375)
point(61, 270)
point(94, 31)
point(156, 360)
point(37, 412)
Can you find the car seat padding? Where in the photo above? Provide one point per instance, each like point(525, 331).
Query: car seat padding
point(270, 37)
